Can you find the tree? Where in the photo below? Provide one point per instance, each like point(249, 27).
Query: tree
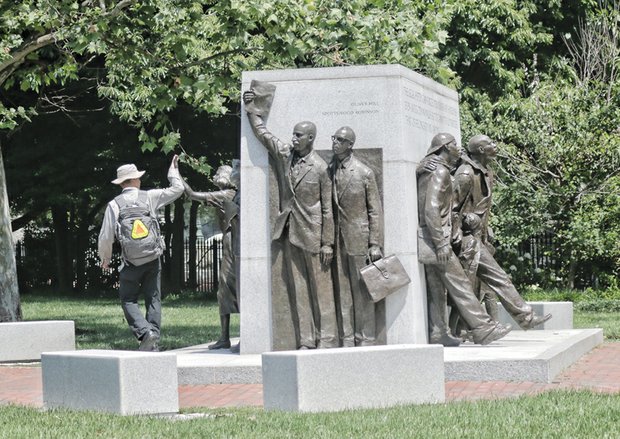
point(558, 168)
point(150, 56)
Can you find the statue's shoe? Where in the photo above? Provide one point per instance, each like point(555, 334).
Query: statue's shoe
point(447, 340)
point(220, 344)
point(500, 331)
point(535, 321)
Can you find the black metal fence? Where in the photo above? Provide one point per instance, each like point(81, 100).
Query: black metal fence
point(534, 261)
point(208, 258)
point(35, 270)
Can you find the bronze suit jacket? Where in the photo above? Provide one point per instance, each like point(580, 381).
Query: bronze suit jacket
point(358, 212)
point(305, 201)
point(435, 202)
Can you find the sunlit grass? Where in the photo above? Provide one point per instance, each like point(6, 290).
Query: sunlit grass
point(558, 414)
point(187, 319)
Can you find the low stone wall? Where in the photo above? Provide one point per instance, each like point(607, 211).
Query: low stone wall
point(562, 315)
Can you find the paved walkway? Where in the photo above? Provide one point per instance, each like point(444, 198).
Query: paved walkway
point(599, 371)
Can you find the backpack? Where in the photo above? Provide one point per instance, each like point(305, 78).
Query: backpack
point(137, 230)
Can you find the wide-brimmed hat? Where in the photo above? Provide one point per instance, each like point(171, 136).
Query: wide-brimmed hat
point(127, 172)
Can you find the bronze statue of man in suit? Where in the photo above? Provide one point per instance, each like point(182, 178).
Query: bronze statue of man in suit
point(359, 236)
point(305, 227)
point(445, 273)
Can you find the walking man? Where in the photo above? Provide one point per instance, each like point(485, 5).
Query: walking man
point(473, 184)
point(131, 218)
point(445, 273)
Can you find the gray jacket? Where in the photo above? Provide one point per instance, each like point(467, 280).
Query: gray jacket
point(157, 198)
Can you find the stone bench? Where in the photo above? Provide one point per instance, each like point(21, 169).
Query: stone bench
point(562, 315)
point(25, 341)
point(327, 380)
point(122, 382)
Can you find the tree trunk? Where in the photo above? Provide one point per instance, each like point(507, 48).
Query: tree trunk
point(191, 260)
point(64, 272)
point(572, 273)
point(81, 246)
point(178, 253)
point(10, 308)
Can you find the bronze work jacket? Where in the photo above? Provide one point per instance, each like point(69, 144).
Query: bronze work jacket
point(435, 194)
point(473, 185)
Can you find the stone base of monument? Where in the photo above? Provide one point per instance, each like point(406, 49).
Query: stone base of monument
point(353, 378)
point(199, 365)
point(25, 341)
point(122, 382)
point(562, 315)
point(521, 356)
point(537, 356)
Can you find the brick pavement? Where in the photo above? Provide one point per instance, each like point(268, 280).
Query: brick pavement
point(599, 370)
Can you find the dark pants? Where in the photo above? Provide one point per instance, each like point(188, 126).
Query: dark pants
point(312, 297)
point(451, 278)
point(499, 282)
point(357, 310)
point(145, 281)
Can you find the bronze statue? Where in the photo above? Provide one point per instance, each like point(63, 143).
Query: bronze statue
point(359, 236)
point(227, 293)
point(435, 206)
point(473, 184)
point(304, 226)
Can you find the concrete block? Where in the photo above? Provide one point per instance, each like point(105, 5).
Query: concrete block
point(562, 315)
point(25, 341)
point(122, 382)
point(327, 380)
point(537, 356)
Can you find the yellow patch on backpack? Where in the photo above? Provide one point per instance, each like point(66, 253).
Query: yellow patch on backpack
point(139, 230)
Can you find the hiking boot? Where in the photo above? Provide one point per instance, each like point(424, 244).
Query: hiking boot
point(500, 331)
point(535, 321)
point(149, 342)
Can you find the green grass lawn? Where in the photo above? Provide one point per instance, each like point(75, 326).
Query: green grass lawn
point(187, 319)
point(558, 414)
point(609, 321)
point(191, 319)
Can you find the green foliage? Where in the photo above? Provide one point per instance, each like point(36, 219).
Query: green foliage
point(558, 166)
point(557, 127)
point(154, 55)
point(535, 293)
point(489, 41)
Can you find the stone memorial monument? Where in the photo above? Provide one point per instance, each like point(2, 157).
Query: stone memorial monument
point(394, 113)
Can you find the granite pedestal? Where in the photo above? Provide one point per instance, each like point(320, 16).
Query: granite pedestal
point(326, 380)
point(122, 382)
point(25, 341)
